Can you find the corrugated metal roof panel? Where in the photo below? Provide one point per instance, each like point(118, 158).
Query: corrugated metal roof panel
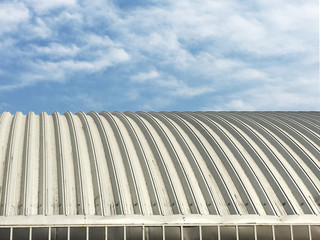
point(201, 163)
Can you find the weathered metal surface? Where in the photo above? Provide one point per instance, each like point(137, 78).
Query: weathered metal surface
point(160, 164)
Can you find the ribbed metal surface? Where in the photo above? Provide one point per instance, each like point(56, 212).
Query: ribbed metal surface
point(209, 163)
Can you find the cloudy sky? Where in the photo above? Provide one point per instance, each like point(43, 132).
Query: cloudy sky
point(120, 55)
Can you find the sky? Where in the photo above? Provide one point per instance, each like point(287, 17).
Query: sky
point(168, 55)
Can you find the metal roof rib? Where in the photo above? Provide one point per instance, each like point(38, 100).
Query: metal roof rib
point(160, 167)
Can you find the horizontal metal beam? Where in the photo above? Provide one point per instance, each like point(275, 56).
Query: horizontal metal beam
point(78, 220)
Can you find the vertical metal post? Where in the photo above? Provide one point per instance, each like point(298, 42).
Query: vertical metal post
point(125, 233)
point(309, 230)
point(30, 233)
point(49, 232)
point(69, 233)
point(163, 233)
point(106, 232)
point(291, 232)
point(273, 233)
point(255, 232)
point(219, 236)
point(87, 233)
point(143, 233)
point(200, 232)
point(181, 232)
point(237, 232)
point(11, 233)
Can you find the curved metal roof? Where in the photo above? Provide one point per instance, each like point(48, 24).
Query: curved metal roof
point(166, 164)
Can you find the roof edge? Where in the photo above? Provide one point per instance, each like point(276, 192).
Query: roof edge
point(76, 220)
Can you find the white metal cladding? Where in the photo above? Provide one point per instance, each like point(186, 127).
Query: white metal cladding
point(177, 163)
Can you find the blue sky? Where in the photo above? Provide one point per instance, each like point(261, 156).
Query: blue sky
point(197, 55)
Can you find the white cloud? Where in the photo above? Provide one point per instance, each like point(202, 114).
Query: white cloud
point(101, 41)
point(58, 70)
point(264, 31)
point(83, 65)
point(169, 85)
point(145, 76)
point(118, 55)
point(274, 31)
point(179, 88)
point(222, 64)
point(67, 16)
point(245, 30)
point(214, 67)
point(39, 29)
point(11, 15)
point(182, 48)
point(188, 92)
point(58, 49)
point(249, 74)
point(20, 84)
point(239, 105)
point(7, 44)
point(45, 5)
point(272, 96)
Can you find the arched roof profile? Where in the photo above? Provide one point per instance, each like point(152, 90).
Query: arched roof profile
point(157, 167)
